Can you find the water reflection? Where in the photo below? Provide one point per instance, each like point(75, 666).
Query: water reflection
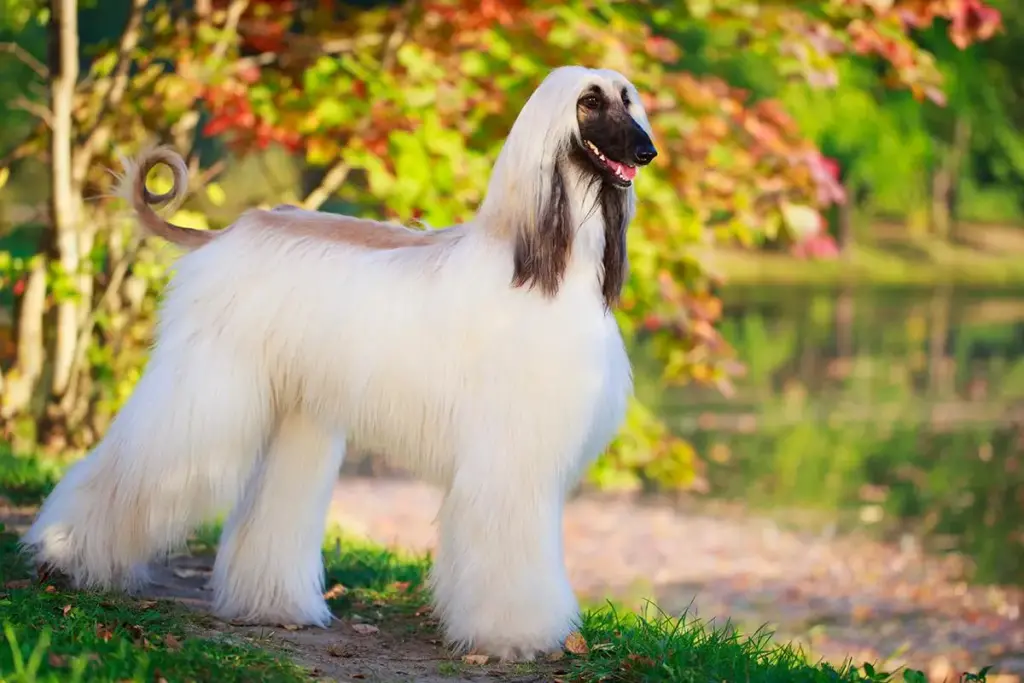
point(895, 410)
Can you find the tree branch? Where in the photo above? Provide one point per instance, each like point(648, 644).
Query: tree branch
point(298, 47)
point(116, 86)
point(338, 172)
point(23, 56)
point(35, 108)
point(207, 176)
point(234, 15)
point(332, 180)
point(117, 276)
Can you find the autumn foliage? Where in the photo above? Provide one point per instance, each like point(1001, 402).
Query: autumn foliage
point(405, 106)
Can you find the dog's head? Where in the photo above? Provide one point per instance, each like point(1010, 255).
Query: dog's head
point(612, 143)
point(572, 155)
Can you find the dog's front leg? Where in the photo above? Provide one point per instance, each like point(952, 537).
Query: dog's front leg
point(499, 580)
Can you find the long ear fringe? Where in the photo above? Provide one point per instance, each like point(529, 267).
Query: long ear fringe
point(527, 199)
point(542, 250)
point(618, 209)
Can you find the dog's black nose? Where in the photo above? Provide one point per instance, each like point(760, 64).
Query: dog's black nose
point(645, 153)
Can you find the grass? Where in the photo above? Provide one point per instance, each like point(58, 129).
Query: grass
point(53, 635)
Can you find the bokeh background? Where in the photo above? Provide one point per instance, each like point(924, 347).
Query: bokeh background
point(824, 308)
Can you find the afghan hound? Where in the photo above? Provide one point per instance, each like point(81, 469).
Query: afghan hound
point(483, 357)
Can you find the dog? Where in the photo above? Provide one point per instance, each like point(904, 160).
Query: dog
point(483, 357)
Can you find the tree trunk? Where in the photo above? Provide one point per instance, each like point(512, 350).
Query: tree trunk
point(961, 148)
point(844, 227)
point(946, 177)
point(845, 323)
point(65, 200)
point(22, 381)
point(939, 384)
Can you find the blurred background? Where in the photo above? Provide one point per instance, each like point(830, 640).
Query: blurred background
point(824, 310)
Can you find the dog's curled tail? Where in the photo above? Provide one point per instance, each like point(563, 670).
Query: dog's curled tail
point(132, 187)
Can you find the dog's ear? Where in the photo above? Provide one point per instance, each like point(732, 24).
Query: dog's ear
point(544, 239)
point(617, 208)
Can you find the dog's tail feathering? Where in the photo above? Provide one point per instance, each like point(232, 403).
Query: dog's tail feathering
point(132, 187)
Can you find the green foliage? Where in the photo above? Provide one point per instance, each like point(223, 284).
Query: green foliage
point(411, 103)
point(646, 455)
point(24, 479)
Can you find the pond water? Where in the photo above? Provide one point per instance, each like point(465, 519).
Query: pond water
point(896, 411)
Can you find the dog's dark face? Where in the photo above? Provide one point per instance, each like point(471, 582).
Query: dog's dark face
point(613, 144)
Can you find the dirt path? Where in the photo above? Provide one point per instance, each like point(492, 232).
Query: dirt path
point(401, 650)
point(839, 597)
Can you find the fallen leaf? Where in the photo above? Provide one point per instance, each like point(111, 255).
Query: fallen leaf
point(335, 591)
point(291, 627)
point(555, 656)
point(137, 633)
point(171, 643)
point(147, 604)
point(66, 610)
point(56, 660)
point(18, 583)
point(365, 629)
point(861, 613)
point(339, 651)
point(576, 644)
point(475, 660)
point(104, 633)
point(640, 660)
point(50, 589)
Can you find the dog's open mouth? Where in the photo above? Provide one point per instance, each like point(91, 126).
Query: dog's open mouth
point(623, 172)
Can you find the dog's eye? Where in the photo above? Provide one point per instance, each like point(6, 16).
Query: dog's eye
point(625, 98)
point(591, 101)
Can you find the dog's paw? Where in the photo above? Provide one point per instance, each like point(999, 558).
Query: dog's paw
point(290, 617)
point(52, 575)
point(507, 649)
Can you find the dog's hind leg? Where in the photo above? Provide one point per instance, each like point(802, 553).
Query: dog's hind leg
point(269, 567)
point(178, 452)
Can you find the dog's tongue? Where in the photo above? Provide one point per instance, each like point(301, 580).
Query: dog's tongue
point(627, 172)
